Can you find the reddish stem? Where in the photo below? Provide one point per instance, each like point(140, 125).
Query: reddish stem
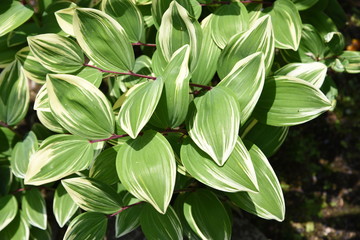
point(228, 2)
point(124, 208)
point(144, 44)
point(120, 73)
point(201, 86)
point(10, 128)
point(114, 136)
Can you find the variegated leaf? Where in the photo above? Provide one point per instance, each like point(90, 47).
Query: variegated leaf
point(34, 208)
point(13, 14)
point(8, 210)
point(63, 206)
point(64, 18)
point(214, 123)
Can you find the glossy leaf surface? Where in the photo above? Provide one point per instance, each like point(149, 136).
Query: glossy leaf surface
point(63, 206)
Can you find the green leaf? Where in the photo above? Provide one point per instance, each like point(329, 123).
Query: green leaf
point(269, 202)
point(92, 195)
point(103, 40)
point(173, 105)
point(64, 18)
point(218, 105)
point(288, 101)
point(335, 42)
point(176, 30)
point(207, 216)
point(63, 206)
point(17, 229)
point(91, 75)
point(104, 168)
point(14, 91)
point(38, 234)
point(351, 61)
point(6, 179)
point(286, 23)
point(57, 53)
point(313, 73)
point(160, 226)
point(88, 225)
point(236, 19)
point(80, 107)
point(246, 80)
point(209, 54)
point(58, 156)
point(8, 210)
point(139, 106)
point(259, 38)
point(128, 15)
point(237, 174)
point(8, 140)
point(304, 4)
point(31, 66)
point(34, 208)
point(267, 138)
point(48, 120)
point(147, 169)
point(13, 14)
point(21, 155)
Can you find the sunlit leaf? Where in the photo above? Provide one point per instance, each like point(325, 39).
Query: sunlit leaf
point(63, 206)
point(13, 14)
point(34, 208)
point(17, 229)
point(8, 210)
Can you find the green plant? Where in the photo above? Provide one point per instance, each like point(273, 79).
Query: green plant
point(171, 140)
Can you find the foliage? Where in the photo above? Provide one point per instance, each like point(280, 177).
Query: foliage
point(168, 136)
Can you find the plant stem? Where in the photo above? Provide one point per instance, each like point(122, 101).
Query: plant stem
point(201, 86)
point(124, 208)
point(29, 188)
point(120, 73)
point(144, 44)
point(10, 128)
point(114, 136)
point(228, 2)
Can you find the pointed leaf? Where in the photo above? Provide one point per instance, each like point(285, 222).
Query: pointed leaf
point(48, 120)
point(207, 216)
point(287, 101)
point(246, 80)
point(217, 106)
point(147, 169)
point(129, 219)
point(269, 202)
point(8, 210)
point(63, 206)
point(57, 53)
point(13, 14)
point(88, 225)
point(160, 226)
point(139, 106)
point(173, 106)
point(94, 30)
point(92, 195)
point(58, 156)
point(21, 154)
point(64, 18)
point(79, 106)
point(237, 174)
point(34, 208)
point(17, 229)
point(177, 29)
point(259, 38)
point(236, 19)
point(314, 72)
point(14, 91)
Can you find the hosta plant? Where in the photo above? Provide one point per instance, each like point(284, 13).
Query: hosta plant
point(161, 114)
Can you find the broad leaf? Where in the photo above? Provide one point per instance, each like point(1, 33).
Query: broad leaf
point(8, 141)
point(287, 101)
point(80, 107)
point(269, 202)
point(6, 179)
point(209, 54)
point(246, 80)
point(57, 53)
point(259, 38)
point(160, 226)
point(17, 229)
point(147, 169)
point(139, 106)
point(286, 23)
point(227, 21)
point(207, 216)
point(64, 18)
point(8, 210)
point(219, 105)
point(88, 225)
point(237, 174)
point(38, 234)
point(173, 106)
point(48, 120)
point(34, 208)
point(314, 72)
point(304, 4)
point(103, 40)
point(14, 91)
point(63, 206)
point(128, 15)
point(13, 14)
point(21, 155)
point(92, 195)
point(58, 156)
point(91, 75)
point(177, 29)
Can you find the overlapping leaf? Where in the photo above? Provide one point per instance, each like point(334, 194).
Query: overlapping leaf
point(64, 18)
point(214, 123)
point(58, 156)
point(63, 206)
point(146, 167)
point(8, 210)
point(269, 202)
point(103, 40)
point(17, 229)
point(13, 14)
point(34, 208)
